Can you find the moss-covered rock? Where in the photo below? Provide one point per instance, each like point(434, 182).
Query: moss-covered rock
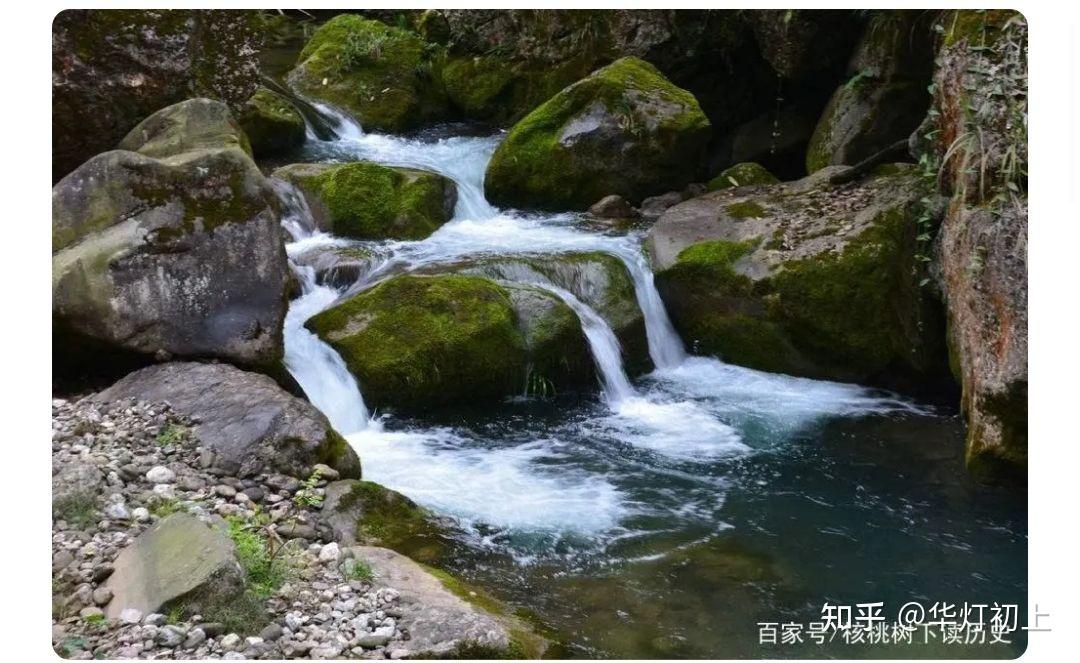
point(387, 77)
point(367, 513)
point(174, 256)
point(126, 64)
point(555, 346)
point(415, 341)
point(272, 124)
point(366, 200)
point(598, 279)
point(742, 174)
point(815, 281)
point(624, 129)
point(194, 124)
point(884, 97)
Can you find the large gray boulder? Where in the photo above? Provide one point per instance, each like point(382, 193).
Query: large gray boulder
point(244, 421)
point(178, 559)
point(171, 247)
point(111, 68)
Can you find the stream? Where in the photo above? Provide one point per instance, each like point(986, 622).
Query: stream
point(666, 515)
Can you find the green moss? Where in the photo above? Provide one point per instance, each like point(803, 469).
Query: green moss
point(533, 167)
point(419, 341)
point(336, 453)
point(271, 123)
point(745, 210)
point(386, 76)
point(976, 27)
point(477, 86)
point(389, 519)
point(369, 201)
point(742, 174)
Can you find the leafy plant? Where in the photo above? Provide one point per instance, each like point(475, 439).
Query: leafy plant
point(538, 386)
point(308, 495)
point(170, 435)
point(355, 569)
point(258, 549)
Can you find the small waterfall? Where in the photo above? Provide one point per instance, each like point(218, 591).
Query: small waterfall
point(604, 346)
point(665, 346)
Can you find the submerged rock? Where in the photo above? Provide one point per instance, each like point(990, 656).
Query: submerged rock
point(112, 68)
point(384, 76)
point(177, 254)
point(803, 278)
point(245, 421)
point(272, 124)
point(624, 129)
point(365, 200)
point(885, 96)
point(180, 558)
point(418, 341)
point(981, 249)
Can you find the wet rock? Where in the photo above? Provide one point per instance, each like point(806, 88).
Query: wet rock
point(365, 200)
point(613, 207)
point(271, 123)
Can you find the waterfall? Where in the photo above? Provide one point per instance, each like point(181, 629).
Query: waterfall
point(604, 346)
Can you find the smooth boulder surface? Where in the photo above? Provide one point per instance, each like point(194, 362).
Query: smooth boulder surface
point(419, 341)
point(112, 68)
point(175, 255)
point(245, 422)
point(803, 278)
point(179, 558)
point(384, 76)
point(271, 123)
point(441, 623)
point(624, 129)
point(365, 200)
point(981, 249)
point(884, 97)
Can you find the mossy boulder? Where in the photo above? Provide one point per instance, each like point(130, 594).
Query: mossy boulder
point(272, 124)
point(193, 124)
point(557, 354)
point(387, 77)
point(742, 174)
point(598, 279)
point(175, 255)
point(885, 95)
point(367, 513)
point(365, 200)
point(805, 279)
point(419, 341)
point(126, 64)
point(624, 129)
point(179, 557)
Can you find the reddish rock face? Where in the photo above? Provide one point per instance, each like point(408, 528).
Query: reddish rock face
point(978, 136)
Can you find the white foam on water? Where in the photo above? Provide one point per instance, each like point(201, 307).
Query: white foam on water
point(503, 487)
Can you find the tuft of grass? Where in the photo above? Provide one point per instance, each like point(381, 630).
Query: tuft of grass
point(356, 569)
point(307, 496)
point(259, 556)
point(78, 510)
point(170, 435)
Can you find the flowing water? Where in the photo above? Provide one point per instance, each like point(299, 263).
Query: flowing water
point(670, 514)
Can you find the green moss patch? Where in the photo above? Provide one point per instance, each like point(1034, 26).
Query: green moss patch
point(742, 174)
point(418, 341)
point(272, 124)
